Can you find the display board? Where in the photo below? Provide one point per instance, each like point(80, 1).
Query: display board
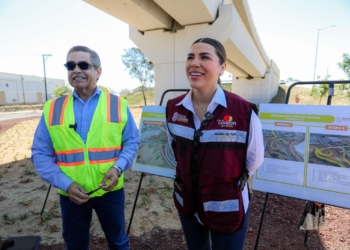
point(155, 156)
point(307, 153)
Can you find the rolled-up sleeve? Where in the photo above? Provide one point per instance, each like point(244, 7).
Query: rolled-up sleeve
point(43, 158)
point(130, 143)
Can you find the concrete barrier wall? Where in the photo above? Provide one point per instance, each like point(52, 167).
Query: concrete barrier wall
point(14, 108)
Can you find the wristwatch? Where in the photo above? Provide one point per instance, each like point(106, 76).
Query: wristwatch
point(120, 171)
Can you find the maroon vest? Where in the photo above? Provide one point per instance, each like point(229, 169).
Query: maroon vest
point(210, 162)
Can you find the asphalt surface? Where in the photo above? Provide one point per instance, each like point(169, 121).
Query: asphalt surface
point(19, 114)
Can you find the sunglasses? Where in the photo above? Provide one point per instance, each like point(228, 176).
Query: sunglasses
point(82, 65)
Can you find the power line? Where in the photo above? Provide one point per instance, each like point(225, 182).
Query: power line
point(11, 54)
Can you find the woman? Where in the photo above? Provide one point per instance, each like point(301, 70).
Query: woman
point(217, 141)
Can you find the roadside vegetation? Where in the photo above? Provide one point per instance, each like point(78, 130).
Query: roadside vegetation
point(298, 95)
point(303, 95)
point(135, 99)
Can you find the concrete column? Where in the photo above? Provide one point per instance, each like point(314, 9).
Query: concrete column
point(165, 29)
point(258, 90)
point(168, 50)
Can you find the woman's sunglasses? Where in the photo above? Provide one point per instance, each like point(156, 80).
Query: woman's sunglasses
point(82, 65)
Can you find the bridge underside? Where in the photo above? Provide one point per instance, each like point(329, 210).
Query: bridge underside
point(165, 29)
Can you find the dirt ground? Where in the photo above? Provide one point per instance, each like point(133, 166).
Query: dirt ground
point(155, 224)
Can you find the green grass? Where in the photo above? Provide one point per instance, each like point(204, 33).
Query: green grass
point(7, 219)
point(52, 213)
point(281, 95)
point(22, 216)
point(301, 95)
point(26, 202)
point(227, 87)
point(136, 99)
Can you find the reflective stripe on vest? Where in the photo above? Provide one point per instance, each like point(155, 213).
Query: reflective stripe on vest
point(221, 206)
point(103, 155)
point(183, 131)
point(70, 158)
point(215, 135)
point(113, 101)
point(58, 106)
point(57, 110)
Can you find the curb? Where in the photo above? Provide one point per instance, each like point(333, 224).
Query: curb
point(34, 112)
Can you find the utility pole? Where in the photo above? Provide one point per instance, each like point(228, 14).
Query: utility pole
point(24, 96)
point(45, 56)
point(318, 34)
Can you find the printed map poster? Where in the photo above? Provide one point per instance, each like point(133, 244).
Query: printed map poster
point(307, 153)
point(155, 156)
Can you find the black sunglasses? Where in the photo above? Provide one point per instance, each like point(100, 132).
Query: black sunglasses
point(82, 65)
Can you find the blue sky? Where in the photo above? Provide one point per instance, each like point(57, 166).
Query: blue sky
point(287, 29)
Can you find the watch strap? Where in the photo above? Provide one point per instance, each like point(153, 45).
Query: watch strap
point(120, 171)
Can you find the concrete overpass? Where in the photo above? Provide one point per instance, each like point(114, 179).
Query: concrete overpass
point(165, 29)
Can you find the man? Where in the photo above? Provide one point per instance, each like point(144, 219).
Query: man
point(83, 144)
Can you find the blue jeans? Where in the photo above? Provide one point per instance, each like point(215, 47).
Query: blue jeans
point(76, 221)
point(198, 236)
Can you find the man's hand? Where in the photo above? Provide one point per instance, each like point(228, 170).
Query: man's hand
point(112, 175)
point(77, 194)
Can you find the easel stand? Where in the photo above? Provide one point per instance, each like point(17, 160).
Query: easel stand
point(329, 100)
point(47, 195)
point(143, 174)
point(135, 201)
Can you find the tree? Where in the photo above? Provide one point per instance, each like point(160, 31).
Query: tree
point(62, 89)
point(345, 64)
point(291, 79)
point(321, 90)
point(124, 92)
point(139, 67)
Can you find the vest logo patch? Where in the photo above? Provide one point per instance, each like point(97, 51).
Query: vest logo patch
point(179, 118)
point(226, 121)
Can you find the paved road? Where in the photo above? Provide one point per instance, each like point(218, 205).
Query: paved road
point(19, 114)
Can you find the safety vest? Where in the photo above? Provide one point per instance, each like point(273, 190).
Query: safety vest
point(210, 162)
point(86, 164)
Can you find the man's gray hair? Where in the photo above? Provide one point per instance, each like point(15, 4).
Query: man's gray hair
point(95, 59)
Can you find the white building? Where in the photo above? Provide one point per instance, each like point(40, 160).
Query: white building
point(23, 89)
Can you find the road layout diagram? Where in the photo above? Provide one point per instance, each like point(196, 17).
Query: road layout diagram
point(284, 145)
point(307, 153)
point(329, 150)
point(154, 148)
